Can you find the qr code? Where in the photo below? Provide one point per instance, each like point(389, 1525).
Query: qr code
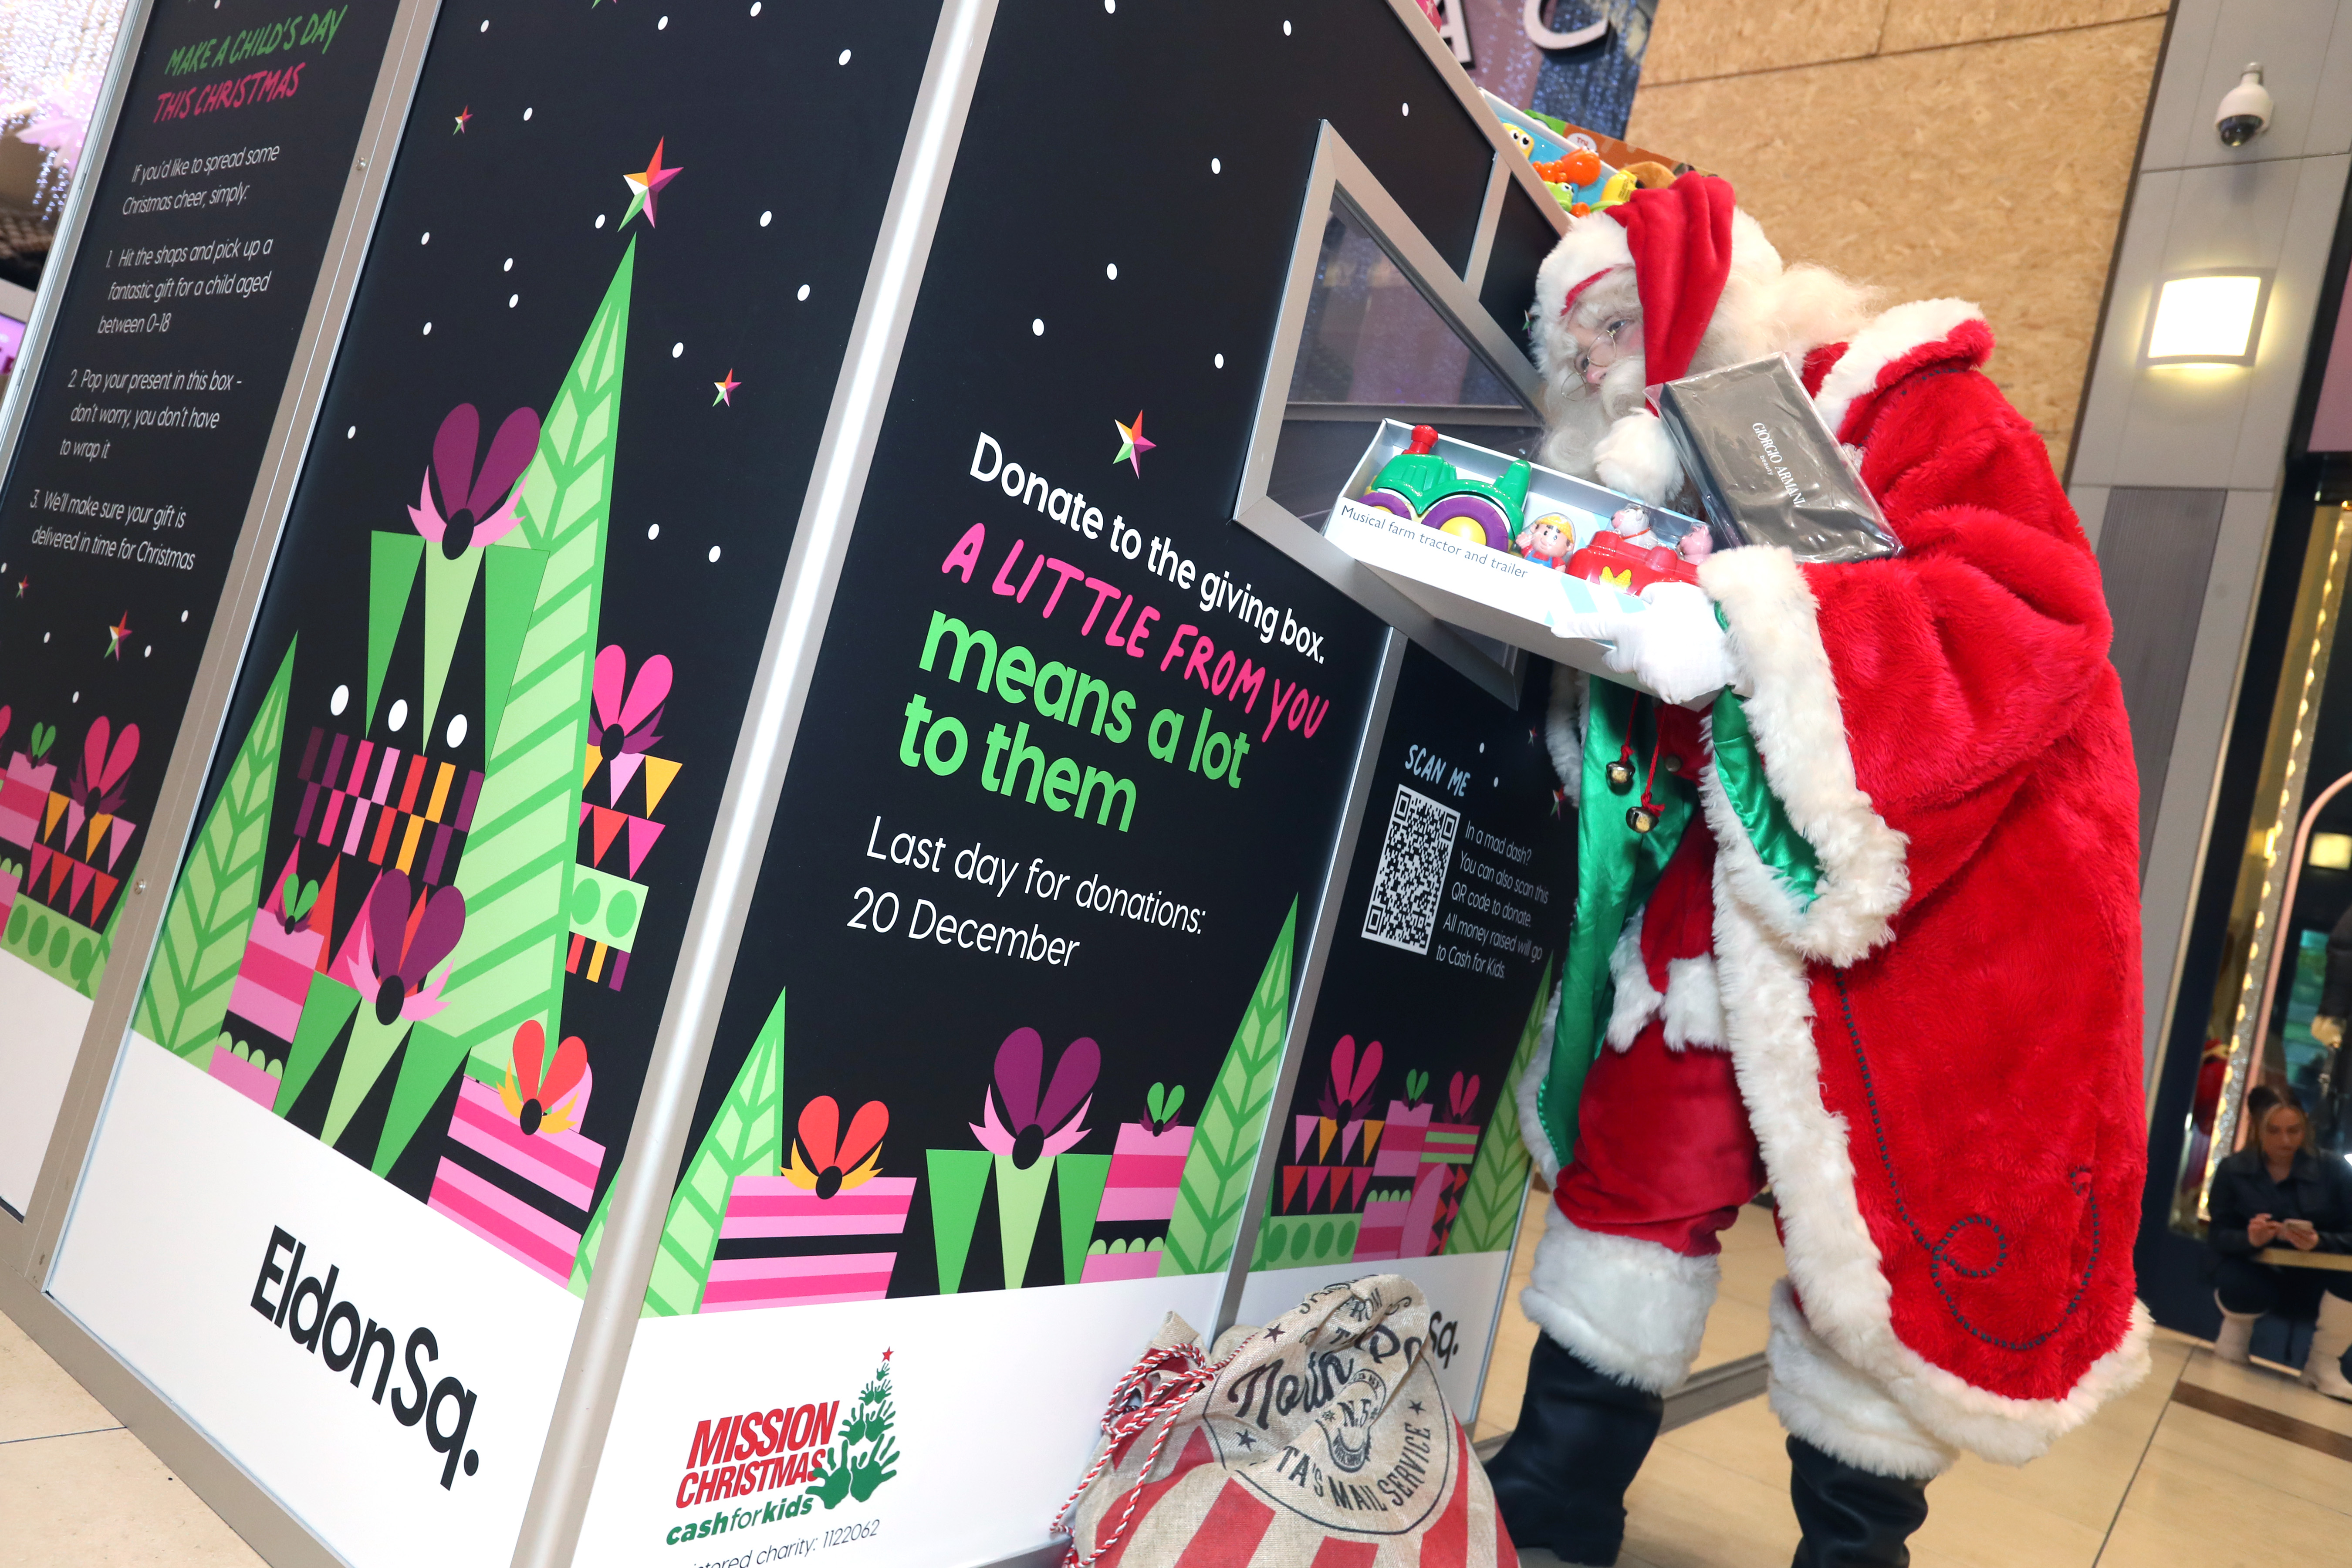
point(1410, 881)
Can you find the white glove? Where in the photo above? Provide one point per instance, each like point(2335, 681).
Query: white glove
point(1675, 648)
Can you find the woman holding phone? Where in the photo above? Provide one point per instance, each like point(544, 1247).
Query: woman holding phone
point(2277, 1192)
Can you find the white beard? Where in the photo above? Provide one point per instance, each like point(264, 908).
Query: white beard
point(1581, 415)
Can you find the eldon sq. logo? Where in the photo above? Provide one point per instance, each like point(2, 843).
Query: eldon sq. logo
point(831, 1457)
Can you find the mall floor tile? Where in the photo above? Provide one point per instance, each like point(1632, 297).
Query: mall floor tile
point(2203, 1463)
point(77, 1489)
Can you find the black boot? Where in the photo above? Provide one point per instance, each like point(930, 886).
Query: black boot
point(1852, 1518)
point(1561, 1480)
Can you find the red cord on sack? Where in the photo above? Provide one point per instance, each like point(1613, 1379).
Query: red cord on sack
point(1135, 1402)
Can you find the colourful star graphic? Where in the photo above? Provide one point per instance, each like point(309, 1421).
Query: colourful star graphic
point(727, 389)
point(886, 1356)
point(644, 187)
point(1132, 445)
point(463, 115)
point(115, 633)
point(23, 584)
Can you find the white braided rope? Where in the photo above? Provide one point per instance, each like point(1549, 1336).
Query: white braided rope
point(1137, 1401)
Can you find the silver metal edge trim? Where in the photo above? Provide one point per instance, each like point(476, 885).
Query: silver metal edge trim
point(1271, 522)
point(1311, 978)
point(1337, 175)
point(18, 1237)
point(640, 1196)
point(244, 1504)
point(174, 818)
point(1406, 246)
point(1490, 219)
point(1457, 80)
point(1502, 1285)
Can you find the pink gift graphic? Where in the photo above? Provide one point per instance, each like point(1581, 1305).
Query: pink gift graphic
point(273, 978)
point(24, 799)
point(1121, 1260)
point(1401, 1145)
point(1397, 1220)
point(1410, 1178)
point(828, 1189)
point(525, 1128)
point(766, 1206)
point(1146, 1169)
point(249, 1075)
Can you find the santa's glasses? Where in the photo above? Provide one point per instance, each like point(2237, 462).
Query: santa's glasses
point(1601, 349)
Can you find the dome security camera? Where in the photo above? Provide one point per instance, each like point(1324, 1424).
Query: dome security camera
point(2245, 111)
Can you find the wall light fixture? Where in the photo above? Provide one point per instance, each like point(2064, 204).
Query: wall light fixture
point(2211, 317)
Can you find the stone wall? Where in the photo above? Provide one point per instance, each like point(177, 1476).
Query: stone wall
point(1980, 149)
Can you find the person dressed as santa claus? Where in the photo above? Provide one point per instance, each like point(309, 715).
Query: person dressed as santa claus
point(1863, 929)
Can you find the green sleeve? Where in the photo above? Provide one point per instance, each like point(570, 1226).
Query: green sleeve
point(1615, 870)
point(1740, 769)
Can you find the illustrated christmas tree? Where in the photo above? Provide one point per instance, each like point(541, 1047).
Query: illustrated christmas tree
point(867, 1455)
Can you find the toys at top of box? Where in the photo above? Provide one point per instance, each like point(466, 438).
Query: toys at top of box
point(1623, 550)
point(1540, 137)
point(1560, 152)
point(1619, 563)
point(1582, 183)
point(1423, 487)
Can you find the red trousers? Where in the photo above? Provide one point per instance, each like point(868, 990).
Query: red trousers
point(1664, 1151)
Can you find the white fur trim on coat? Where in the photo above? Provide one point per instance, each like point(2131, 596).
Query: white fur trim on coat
point(1564, 728)
point(1694, 1007)
point(1637, 457)
point(1835, 1265)
point(1531, 1127)
point(1630, 1308)
point(1820, 1398)
point(1890, 336)
point(1635, 1002)
point(1690, 1005)
point(1800, 728)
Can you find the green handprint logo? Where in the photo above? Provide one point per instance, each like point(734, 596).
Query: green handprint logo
point(870, 1471)
point(867, 1455)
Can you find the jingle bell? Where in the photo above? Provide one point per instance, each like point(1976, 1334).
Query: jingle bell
point(1621, 775)
point(1641, 819)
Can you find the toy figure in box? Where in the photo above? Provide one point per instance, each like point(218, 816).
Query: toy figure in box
point(1418, 484)
point(1621, 564)
point(1833, 934)
point(1549, 541)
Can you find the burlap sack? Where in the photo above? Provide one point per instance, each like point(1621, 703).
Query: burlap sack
point(1321, 1440)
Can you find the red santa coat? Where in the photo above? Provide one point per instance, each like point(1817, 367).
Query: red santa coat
point(1940, 1055)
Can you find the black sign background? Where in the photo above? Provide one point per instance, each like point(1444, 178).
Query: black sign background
point(504, 230)
point(110, 521)
point(1460, 1007)
point(1116, 239)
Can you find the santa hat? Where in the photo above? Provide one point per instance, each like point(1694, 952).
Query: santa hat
point(1684, 244)
point(1679, 240)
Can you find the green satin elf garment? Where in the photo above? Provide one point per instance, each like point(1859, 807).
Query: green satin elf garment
point(1616, 868)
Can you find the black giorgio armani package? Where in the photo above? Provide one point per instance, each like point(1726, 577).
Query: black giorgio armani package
point(1769, 469)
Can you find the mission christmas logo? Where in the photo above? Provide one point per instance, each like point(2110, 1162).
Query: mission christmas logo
point(814, 1454)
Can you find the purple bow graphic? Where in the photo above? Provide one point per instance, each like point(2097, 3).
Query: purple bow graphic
point(397, 943)
point(474, 508)
point(1040, 1125)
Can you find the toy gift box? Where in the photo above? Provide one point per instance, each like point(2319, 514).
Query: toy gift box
point(1445, 541)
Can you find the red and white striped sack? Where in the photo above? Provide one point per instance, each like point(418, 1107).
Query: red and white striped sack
point(1321, 1440)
